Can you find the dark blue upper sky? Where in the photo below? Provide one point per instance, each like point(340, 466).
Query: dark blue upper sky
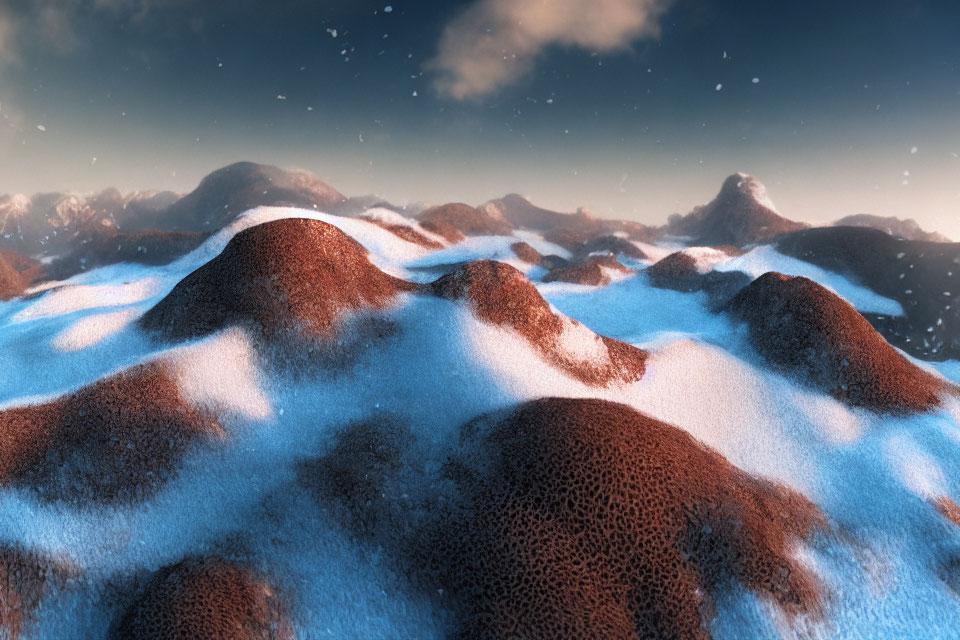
point(855, 106)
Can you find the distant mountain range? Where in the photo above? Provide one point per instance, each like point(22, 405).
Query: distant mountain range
point(50, 224)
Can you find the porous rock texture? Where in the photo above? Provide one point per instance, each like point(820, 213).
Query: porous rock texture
point(205, 598)
point(804, 329)
point(116, 441)
point(526, 253)
point(25, 578)
point(293, 275)
point(501, 295)
point(586, 519)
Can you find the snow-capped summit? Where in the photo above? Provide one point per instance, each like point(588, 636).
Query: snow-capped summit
point(751, 187)
point(742, 213)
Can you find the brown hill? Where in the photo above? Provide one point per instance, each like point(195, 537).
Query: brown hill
point(225, 193)
point(526, 253)
point(117, 440)
point(405, 232)
point(455, 220)
point(501, 295)
point(592, 271)
point(292, 275)
point(740, 214)
point(205, 598)
point(586, 519)
point(924, 277)
point(566, 229)
point(899, 228)
point(804, 329)
point(678, 272)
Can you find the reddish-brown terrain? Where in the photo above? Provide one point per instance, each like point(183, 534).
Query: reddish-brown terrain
point(591, 271)
point(293, 275)
point(587, 519)
point(924, 277)
point(737, 216)
point(115, 441)
point(677, 271)
point(526, 253)
point(804, 329)
point(25, 578)
point(405, 232)
point(17, 273)
point(566, 229)
point(206, 598)
point(501, 295)
point(456, 220)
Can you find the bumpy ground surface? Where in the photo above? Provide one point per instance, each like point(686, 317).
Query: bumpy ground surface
point(456, 220)
point(205, 598)
point(495, 455)
point(501, 295)
point(25, 579)
point(924, 277)
point(594, 270)
point(803, 328)
point(115, 441)
point(290, 275)
point(587, 519)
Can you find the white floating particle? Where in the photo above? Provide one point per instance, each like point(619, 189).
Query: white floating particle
point(755, 81)
point(40, 127)
point(387, 9)
point(900, 255)
point(414, 94)
point(280, 96)
point(913, 150)
point(332, 32)
point(719, 87)
point(549, 100)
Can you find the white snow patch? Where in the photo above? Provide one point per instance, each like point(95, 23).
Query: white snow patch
point(92, 330)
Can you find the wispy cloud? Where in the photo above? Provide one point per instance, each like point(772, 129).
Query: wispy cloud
point(50, 23)
point(496, 42)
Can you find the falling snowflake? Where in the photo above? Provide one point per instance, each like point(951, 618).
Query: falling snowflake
point(719, 87)
point(387, 9)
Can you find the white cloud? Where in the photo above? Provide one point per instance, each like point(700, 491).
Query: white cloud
point(50, 23)
point(496, 42)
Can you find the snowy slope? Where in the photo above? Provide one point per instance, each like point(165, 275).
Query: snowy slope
point(438, 367)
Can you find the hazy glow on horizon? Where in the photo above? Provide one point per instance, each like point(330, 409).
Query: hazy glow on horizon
point(622, 119)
